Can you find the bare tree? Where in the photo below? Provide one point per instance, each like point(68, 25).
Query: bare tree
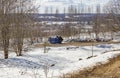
point(21, 21)
point(12, 13)
point(5, 8)
point(113, 9)
point(96, 27)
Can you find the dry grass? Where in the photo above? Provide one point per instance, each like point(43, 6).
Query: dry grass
point(109, 70)
point(76, 44)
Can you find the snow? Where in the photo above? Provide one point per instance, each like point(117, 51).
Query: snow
point(58, 61)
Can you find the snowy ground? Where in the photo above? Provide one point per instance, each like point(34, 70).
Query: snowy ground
point(58, 60)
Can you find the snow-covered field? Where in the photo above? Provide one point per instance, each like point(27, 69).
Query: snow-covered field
point(58, 60)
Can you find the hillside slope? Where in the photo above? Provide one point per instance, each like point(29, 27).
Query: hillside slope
point(109, 70)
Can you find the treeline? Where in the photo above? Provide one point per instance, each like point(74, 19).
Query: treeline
point(101, 24)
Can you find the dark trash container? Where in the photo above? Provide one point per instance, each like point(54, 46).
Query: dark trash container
point(55, 40)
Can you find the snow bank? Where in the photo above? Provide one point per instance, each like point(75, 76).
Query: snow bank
point(58, 60)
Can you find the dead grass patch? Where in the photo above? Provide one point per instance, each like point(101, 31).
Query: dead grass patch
point(75, 44)
point(108, 70)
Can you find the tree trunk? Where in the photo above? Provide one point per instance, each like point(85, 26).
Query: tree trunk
point(5, 39)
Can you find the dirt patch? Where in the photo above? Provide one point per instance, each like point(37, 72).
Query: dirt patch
point(109, 70)
point(76, 44)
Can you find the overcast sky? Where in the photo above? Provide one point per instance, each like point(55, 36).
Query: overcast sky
point(61, 4)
